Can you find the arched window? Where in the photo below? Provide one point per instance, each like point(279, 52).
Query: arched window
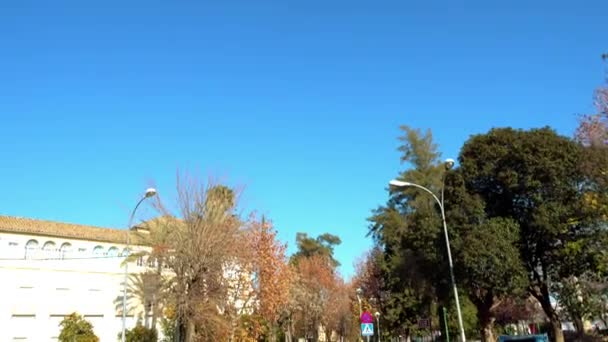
point(32, 244)
point(31, 248)
point(98, 250)
point(49, 246)
point(113, 251)
point(66, 248)
point(125, 252)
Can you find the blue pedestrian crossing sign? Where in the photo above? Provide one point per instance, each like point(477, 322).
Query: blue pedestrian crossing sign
point(367, 329)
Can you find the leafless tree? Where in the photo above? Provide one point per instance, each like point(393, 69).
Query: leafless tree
point(200, 240)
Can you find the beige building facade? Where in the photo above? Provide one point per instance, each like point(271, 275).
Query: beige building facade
point(49, 270)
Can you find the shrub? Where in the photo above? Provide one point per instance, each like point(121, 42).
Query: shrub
point(168, 328)
point(139, 333)
point(74, 328)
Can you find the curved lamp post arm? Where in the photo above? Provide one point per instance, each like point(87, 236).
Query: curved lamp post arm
point(402, 184)
point(126, 274)
point(149, 193)
point(427, 190)
point(133, 213)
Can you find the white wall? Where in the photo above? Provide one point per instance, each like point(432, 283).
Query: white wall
point(39, 287)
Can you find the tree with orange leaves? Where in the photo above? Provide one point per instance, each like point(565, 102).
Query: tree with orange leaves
point(339, 318)
point(315, 284)
point(368, 274)
point(272, 275)
point(319, 300)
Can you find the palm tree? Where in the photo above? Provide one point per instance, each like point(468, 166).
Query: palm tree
point(147, 290)
point(151, 287)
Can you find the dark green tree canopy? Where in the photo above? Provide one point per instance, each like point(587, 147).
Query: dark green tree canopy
point(537, 179)
point(533, 177)
point(489, 259)
point(322, 245)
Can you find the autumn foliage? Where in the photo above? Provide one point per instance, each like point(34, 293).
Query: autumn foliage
point(226, 277)
point(272, 278)
point(593, 128)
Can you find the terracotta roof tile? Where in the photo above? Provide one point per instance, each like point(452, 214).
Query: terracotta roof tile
point(24, 225)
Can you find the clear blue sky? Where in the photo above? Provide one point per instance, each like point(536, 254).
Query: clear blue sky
point(299, 101)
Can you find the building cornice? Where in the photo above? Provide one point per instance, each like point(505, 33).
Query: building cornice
point(22, 225)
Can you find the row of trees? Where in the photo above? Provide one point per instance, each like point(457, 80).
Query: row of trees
point(217, 275)
point(526, 212)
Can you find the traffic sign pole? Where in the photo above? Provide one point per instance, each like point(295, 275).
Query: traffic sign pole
point(445, 325)
point(367, 325)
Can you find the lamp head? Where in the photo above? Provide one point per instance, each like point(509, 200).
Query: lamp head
point(359, 291)
point(377, 314)
point(449, 163)
point(150, 192)
point(399, 184)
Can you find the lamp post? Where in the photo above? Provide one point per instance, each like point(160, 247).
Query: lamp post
point(359, 292)
point(150, 192)
point(449, 163)
point(377, 314)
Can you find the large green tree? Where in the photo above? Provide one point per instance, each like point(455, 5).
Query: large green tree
point(534, 178)
point(490, 269)
point(488, 265)
point(409, 232)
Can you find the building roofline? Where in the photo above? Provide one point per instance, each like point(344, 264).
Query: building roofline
point(23, 225)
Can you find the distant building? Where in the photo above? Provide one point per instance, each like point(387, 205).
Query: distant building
point(50, 269)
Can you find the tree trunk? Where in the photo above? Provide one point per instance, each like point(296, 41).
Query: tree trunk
point(315, 331)
point(180, 330)
point(190, 331)
point(154, 309)
point(233, 326)
point(487, 331)
point(327, 334)
point(146, 321)
point(406, 335)
point(541, 293)
point(580, 327)
point(556, 328)
point(484, 305)
point(273, 332)
point(288, 337)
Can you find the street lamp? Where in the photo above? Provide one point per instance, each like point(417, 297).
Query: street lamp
point(449, 163)
point(150, 192)
point(377, 314)
point(359, 292)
